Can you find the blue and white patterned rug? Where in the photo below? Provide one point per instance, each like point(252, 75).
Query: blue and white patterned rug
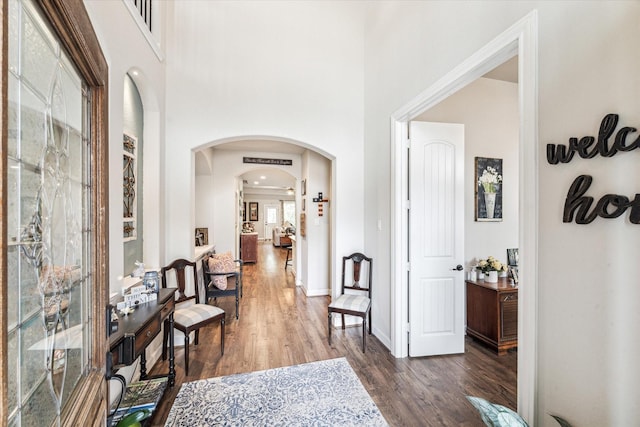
point(325, 393)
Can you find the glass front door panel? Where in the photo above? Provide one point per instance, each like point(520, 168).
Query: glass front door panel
point(49, 228)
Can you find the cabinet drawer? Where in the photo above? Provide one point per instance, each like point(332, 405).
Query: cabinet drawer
point(147, 334)
point(167, 308)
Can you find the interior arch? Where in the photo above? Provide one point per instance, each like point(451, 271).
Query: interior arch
point(220, 165)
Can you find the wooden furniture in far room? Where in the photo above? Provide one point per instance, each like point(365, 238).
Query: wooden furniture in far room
point(492, 313)
point(249, 247)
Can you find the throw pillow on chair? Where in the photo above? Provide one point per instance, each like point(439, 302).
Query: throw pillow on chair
point(221, 263)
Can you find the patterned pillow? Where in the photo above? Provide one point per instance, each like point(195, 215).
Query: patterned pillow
point(221, 263)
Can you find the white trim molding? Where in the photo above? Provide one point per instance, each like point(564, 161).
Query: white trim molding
point(151, 38)
point(520, 39)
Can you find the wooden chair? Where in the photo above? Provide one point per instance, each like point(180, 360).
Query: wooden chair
point(234, 282)
point(191, 315)
point(289, 257)
point(354, 303)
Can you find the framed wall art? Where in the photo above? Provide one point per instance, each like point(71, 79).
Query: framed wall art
point(253, 211)
point(202, 236)
point(303, 224)
point(130, 187)
point(488, 184)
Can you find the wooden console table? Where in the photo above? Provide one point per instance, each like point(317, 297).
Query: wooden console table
point(492, 313)
point(138, 329)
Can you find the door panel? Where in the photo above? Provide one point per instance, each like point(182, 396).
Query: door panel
point(56, 283)
point(271, 220)
point(436, 247)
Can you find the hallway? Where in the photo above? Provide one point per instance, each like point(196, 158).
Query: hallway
point(280, 326)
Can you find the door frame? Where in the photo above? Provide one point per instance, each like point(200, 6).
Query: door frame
point(70, 21)
point(520, 39)
point(277, 205)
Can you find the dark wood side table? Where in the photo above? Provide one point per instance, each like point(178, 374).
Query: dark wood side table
point(249, 247)
point(138, 329)
point(492, 313)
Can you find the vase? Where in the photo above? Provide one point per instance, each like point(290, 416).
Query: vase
point(491, 277)
point(490, 203)
point(480, 275)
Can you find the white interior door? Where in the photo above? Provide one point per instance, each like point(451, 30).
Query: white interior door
point(271, 219)
point(436, 239)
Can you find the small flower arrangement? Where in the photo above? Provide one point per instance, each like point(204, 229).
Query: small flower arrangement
point(491, 264)
point(490, 180)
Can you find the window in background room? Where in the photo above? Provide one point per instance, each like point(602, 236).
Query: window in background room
point(289, 212)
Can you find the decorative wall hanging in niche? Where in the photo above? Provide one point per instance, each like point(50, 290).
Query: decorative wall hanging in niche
point(253, 211)
point(488, 199)
point(129, 176)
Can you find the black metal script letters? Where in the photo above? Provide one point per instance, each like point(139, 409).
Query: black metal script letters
point(585, 148)
point(609, 205)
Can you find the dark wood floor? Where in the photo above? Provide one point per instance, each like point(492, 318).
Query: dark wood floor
point(280, 326)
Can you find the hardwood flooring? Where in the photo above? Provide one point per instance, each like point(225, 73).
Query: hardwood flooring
point(280, 326)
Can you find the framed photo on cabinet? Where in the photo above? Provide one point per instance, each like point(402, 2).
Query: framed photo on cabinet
point(253, 211)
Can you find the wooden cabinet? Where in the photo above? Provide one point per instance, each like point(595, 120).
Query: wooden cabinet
point(137, 330)
point(492, 313)
point(249, 247)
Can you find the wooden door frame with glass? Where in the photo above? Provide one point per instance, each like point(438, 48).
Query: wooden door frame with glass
point(69, 27)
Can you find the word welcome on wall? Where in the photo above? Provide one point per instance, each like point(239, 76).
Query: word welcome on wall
point(577, 204)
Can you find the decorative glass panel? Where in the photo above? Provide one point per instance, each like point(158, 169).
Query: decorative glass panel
point(129, 172)
point(49, 227)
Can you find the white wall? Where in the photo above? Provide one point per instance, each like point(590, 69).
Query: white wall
point(126, 50)
point(314, 276)
point(489, 110)
point(295, 70)
point(588, 298)
point(227, 166)
point(292, 70)
point(264, 201)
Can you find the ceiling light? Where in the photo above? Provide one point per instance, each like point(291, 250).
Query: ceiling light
point(290, 192)
point(256, 182)
point(263, 177)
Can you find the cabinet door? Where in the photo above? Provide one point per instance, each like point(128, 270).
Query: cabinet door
point(509, 316)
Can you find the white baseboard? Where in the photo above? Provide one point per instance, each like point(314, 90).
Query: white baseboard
point(315, 292)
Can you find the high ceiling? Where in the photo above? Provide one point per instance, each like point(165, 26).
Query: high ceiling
point(271, 182)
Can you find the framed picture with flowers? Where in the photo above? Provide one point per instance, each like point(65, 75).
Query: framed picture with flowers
point(488, 184)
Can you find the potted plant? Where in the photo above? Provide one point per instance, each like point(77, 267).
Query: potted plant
point(494, 415)
point(490, 267)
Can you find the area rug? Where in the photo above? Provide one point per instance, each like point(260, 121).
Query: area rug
point(325, 393)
